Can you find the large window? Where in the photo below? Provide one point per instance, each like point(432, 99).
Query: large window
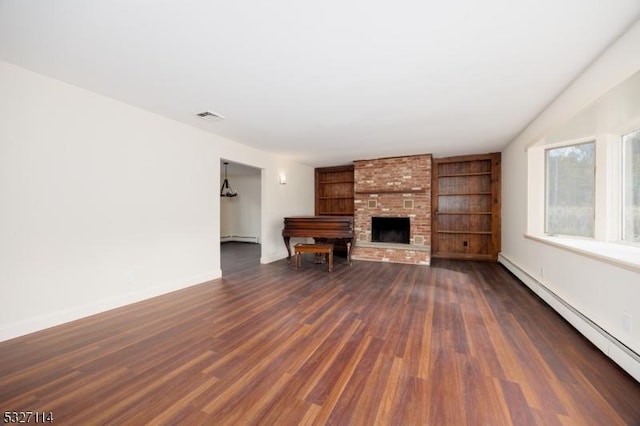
point(570, 177)
point(583, 180)
point(631, 187)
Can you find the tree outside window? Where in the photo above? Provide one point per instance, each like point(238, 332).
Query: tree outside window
point(570, 183)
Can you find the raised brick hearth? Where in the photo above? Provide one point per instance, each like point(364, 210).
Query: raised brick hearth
point(393, 187)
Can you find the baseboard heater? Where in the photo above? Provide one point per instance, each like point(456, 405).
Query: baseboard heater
point(621, 354)
point(239, 239)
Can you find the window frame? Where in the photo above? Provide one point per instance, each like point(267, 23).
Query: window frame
point(607, 244)
point(623, 186)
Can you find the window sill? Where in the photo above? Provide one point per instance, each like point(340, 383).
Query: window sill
point(621, 255)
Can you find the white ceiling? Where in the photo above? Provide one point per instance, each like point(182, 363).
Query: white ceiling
point(324, 82)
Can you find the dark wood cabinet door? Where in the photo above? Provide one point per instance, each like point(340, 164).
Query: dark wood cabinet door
point(466, 207)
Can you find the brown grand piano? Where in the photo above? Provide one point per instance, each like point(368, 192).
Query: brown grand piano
point(322, 228)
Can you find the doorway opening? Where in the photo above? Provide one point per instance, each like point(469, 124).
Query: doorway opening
point(240, 217)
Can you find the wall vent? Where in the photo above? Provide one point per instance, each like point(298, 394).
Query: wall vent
point(210, 116)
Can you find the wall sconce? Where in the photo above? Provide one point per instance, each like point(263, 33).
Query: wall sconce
point(282, 179)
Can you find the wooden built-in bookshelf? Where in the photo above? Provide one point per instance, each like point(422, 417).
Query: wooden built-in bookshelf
point(466, 207)
point(334, 191)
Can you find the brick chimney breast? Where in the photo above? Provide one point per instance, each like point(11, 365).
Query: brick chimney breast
point(394, 187)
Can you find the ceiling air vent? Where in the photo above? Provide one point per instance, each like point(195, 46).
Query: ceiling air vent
point(210, 116)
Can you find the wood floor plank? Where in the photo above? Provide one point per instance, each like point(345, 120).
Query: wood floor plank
point(371, 398)
point(333, 352)
point(171, 413)
point(345, 407)
point(519, 410)
point(286, 407)
point(387, 412)
point(332, 382)
point(446, 392)
point(373, 343)
point(484, 404)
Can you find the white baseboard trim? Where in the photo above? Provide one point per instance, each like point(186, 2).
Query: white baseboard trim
point(626, 358)
point(31, 325)
point(239, 239)
point(272, 258)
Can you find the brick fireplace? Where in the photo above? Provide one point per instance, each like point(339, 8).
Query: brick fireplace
point(398, 187)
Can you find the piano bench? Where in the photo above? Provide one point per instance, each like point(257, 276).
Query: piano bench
point(326, 249)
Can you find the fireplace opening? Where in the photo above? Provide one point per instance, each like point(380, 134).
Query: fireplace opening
point(390, 230)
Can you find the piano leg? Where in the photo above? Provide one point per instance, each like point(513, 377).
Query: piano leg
point(286, 244)
point(349, 252)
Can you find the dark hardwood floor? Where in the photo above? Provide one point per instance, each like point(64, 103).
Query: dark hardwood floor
point(235, 256)
point(457, 343)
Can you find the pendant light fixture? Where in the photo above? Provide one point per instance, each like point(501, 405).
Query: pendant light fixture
point(226, 190)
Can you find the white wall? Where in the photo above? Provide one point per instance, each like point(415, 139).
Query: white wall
point(103, 204)
point(600, 291)
point(227, 218)
point(240, 215)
